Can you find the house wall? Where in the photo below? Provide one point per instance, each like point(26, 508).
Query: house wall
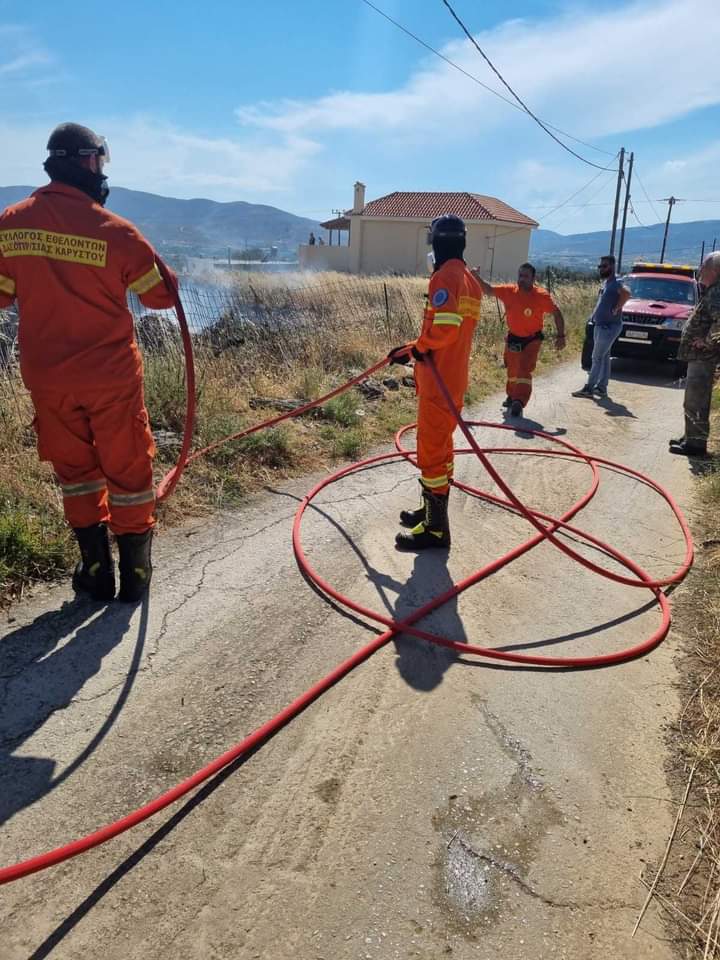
point(511, 248)
point(400, 246)
point(392, 246)
point(324, 257)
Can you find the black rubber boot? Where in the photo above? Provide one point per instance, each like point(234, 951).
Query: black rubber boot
point(433, 531)
point(516, 408)
point(687, 448)
point(507, 402)
point(411, 518)
point(94, 574)
point(135, 565)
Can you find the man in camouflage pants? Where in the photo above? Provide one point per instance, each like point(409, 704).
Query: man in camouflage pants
point(700, 346)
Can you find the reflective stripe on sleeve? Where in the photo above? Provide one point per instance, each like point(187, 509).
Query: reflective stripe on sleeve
point(147, 281)
point(7, 285)
point(131, 499)
point(469, 305)
point(80, 489)
point(448, 319)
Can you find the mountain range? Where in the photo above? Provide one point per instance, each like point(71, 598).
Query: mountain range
point(203, 228)
point(581, 249)
point(199, 227)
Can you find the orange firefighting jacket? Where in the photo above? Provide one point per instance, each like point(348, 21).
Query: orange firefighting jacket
point(69, 263)
point(452, 311)
point(524, 310)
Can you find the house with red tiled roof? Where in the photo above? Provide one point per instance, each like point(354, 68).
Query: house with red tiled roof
point(390, 234)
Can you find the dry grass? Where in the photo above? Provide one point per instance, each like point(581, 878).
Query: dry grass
point(688, 887)
point(260, 336)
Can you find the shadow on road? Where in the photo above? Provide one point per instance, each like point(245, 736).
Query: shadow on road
point(647, 372)
point(523, 424)
point(66, 926)
point(614, 409)
point(39, 674)
point(422, 664)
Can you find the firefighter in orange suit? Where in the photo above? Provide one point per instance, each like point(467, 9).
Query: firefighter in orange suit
point(453, 309)
point(69, 264)
point(525, 307)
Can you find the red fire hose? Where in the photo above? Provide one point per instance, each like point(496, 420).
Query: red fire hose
point(548, 528)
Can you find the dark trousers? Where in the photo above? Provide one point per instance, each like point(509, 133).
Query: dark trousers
point(698, 394)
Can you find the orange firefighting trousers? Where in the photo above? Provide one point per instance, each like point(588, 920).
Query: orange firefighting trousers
point(101, 448)
point(435, 429)
point(520, 365)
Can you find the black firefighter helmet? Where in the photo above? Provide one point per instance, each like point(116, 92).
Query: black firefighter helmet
point(447, 236)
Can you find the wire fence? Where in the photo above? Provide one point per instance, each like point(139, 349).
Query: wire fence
point(275, 323)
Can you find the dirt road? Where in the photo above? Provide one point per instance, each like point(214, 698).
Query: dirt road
point(427, 806)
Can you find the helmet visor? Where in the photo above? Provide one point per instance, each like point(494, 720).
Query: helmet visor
point(102, 150)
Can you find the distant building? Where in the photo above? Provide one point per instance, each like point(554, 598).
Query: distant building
point(390, 234)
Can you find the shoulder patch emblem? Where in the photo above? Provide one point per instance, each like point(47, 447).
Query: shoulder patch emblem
point(440, 297)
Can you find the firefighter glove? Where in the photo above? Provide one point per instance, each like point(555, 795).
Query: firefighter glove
point(404, 354)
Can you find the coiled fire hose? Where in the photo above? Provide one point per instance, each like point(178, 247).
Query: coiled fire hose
point(546, 527)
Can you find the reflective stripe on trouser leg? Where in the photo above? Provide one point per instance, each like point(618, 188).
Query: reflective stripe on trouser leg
point(64, 438)
point(130, 511)
point(520, 366)
point(126, 448)
point(85, 504)
point(435, 429)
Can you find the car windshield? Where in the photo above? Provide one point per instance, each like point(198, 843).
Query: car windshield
point(661, 288)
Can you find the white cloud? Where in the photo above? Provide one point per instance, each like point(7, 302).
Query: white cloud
point(150, 155)
point(593, 73)
point(22, 58)
point(693, 177)
point(154, 156)
point(596, 74)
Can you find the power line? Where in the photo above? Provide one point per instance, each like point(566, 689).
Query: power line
point(647, 197)
point(603, 186)
point(559, 206)
point(475, 79)
point(632, 211)
point(630, 203)
point(525, 107)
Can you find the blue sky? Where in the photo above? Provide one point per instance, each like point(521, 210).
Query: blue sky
point(288, 102)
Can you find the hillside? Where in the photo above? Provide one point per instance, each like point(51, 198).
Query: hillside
point(208, 228)
point(581, 249)
point(199, 227)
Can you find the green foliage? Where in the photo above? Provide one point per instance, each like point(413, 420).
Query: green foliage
point(344, 443)
point(270, 448)
point(342, 409)
point(165, 394)
point(32, 546)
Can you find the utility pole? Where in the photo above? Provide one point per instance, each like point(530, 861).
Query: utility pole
point(617, 201)
point(713, 249)
point(670, 201)
point(337, 213)
point(702, 253)
point(625, 212)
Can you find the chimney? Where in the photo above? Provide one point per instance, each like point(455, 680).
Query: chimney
point(359, 199)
